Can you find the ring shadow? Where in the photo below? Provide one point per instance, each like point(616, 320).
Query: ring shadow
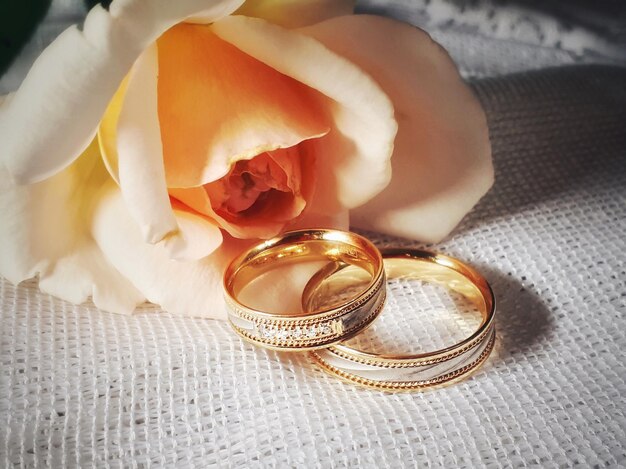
point(523, 321)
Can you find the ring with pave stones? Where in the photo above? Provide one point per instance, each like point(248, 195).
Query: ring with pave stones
point(311, 329)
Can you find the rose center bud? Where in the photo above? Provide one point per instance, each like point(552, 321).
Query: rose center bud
point(266, 185)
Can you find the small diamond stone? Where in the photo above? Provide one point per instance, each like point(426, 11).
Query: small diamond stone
point(311, 332)
point(269, 332)
point(324, 329)
point(297, 333)
point(282, 334)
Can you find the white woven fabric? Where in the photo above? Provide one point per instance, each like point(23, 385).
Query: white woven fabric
point(79, 387)
point(493, 37)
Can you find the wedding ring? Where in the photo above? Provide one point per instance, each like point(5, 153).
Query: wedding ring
point(305, 330)
point(416, 371)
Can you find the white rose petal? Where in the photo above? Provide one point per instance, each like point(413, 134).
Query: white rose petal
point(77, 75)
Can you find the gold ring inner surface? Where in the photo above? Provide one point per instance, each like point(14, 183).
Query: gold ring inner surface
point(321, 247)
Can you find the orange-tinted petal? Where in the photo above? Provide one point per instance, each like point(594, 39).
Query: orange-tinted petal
point(130, 143)
point(276, 208)
point(353, 159)
point(247, 182)
point(442, 157)
point(218, 105)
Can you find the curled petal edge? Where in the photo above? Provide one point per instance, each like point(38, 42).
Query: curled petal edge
point(77, 75)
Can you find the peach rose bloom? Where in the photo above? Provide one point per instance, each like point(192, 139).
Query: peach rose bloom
point(143, 151)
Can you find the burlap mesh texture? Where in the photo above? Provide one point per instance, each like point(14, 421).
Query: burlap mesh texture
point(78, 386)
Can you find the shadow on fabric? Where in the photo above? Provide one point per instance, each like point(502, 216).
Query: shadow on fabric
point(523, 321)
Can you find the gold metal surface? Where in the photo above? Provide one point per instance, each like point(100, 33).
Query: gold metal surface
point(392, 370)
point(310, 329)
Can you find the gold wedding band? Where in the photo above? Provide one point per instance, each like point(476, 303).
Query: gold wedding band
point(418, 371)
point(305, 330)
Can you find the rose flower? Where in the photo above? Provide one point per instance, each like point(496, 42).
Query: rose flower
point(146, 149)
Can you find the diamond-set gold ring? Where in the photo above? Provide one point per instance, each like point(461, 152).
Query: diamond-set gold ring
point(353, 268)
point(305, 330)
